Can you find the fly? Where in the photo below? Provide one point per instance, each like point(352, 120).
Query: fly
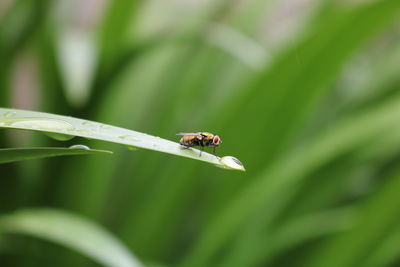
point(200, 139)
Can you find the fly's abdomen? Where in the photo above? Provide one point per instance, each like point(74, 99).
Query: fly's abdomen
point(187, 141)
point(182, 141)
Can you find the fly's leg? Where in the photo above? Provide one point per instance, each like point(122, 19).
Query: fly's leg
point(214, 151)
point(201, 150)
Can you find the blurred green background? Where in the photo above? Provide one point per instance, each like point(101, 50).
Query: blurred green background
point(305, 93)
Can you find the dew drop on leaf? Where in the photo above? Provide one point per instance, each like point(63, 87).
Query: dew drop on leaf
point(83, 147)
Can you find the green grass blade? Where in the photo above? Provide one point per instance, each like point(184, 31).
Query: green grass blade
point(70, 231)
point(387, 253)
point(70, 127)
point(116, 22)
point(293, 89)
point(266, 188)
point(377, 219)
point(17, 154)
point(288, 235)
point(16, 28)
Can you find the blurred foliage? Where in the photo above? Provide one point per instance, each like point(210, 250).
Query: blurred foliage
point(305, 93)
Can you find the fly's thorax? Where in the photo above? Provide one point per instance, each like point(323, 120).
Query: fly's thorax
point(207, 138)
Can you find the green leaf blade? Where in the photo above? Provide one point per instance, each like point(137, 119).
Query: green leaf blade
point(70, 231)
point(63, 125)
point(8, 155)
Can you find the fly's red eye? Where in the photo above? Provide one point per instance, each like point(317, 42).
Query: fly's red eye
point(216, 140)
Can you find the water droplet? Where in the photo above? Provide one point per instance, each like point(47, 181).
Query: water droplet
point(105, 127)
point(42, 124)
point(87, 123)
point(128, 138)
point(229, 162)
point(83, 147)
point(60, 137)
point(9, 114)
point(132, 148)
point(83, 131)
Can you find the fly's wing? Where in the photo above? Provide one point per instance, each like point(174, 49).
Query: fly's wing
point(186, 134)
